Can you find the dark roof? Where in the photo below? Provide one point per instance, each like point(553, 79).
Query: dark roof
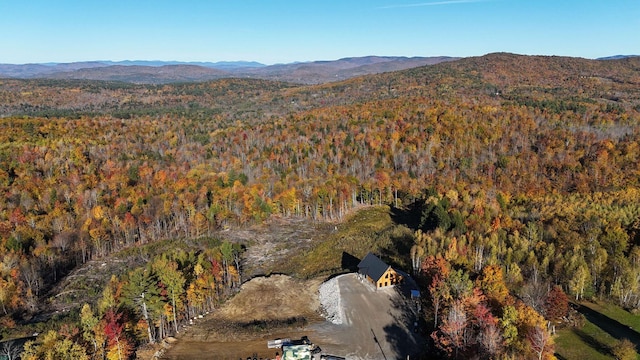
point(372, 266)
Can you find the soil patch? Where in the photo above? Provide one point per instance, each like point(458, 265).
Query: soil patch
point(266, 308)
point(276, 297)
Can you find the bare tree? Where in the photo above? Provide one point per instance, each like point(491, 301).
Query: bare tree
point(540, 340)
point(10, 350)
point(453, 330)
point(491, 340)
point(534, 293)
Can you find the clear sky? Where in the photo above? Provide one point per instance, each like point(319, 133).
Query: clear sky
point(281, 31)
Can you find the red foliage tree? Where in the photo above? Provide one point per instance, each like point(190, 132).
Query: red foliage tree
point(556, 304)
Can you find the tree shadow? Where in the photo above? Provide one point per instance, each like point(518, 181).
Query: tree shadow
point(399, 246)
point(409, 215)
point(375, 339)
point(611, 326)
point(403, 335)
point(593, 342)
point(349, 262)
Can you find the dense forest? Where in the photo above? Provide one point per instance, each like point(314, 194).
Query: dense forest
point(525, 172)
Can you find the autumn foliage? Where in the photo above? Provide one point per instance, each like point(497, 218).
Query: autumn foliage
point(525, 170)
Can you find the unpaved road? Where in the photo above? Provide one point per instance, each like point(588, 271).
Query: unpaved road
point(376, 326)
point(376, 323)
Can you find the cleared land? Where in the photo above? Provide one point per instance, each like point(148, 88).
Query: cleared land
point(376, 323)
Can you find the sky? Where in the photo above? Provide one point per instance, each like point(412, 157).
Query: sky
point(284, 31)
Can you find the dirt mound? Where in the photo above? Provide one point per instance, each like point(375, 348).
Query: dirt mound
point(276, 297)
point(263, 306)
point(277, 306)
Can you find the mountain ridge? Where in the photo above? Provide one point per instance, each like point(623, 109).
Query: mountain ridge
point(617, 57)
point(520, 79)
point(309, 72)
point(143, 71)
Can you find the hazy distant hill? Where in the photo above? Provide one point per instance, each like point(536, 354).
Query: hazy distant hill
point(617, 57)
point(143, 74)
point(537, 81)
point(44, 70)
point(216, 65)
point(154, 72)
point(318, 72)
point(157, 72)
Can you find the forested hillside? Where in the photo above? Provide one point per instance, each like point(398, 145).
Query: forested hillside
point(524, 170)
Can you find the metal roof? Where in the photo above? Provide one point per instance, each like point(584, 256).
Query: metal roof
point(372, 266)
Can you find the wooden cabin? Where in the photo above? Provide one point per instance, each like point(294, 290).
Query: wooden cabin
point(378, 272)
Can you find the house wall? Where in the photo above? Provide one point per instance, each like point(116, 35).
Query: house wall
point(390, 277)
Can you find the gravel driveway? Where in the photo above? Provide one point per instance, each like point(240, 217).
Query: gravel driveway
point(375, 324)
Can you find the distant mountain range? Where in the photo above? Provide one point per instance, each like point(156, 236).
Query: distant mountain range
point(162, 72)
point(158, 72)
point(215, 65)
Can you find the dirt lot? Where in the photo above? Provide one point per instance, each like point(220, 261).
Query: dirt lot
point(266, 308)
point(376, 323)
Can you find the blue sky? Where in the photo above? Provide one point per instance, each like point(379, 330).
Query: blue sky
point(279, 31)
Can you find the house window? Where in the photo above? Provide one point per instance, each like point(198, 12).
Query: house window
point(386, 276)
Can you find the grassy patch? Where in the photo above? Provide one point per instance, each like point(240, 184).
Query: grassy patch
point(368, 230)
point(590, 342)
point(617, 313)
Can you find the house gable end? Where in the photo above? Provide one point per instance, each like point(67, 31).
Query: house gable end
point(373, 267)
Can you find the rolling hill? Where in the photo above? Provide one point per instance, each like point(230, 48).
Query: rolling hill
point(139, 74)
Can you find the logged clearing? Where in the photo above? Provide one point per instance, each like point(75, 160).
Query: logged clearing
point(275, 242)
